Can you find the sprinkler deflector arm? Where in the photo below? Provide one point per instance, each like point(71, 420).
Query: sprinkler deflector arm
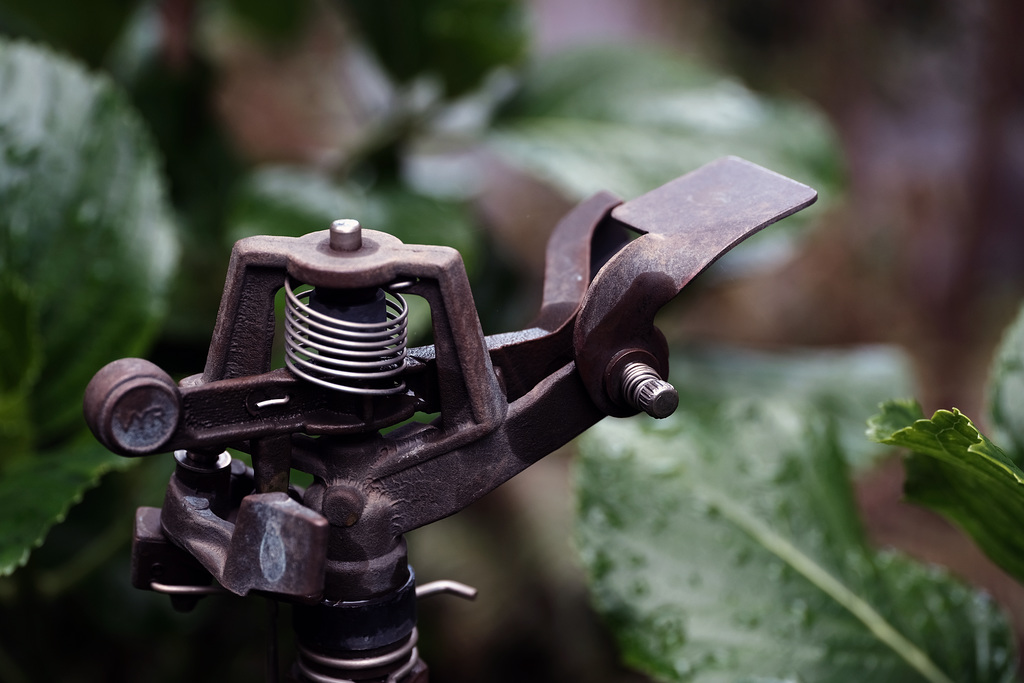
point(686, 225)
point(504, 401)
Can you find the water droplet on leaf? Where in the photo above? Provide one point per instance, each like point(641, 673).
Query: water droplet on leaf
point(742, 556)
point(748, 620)
point(666, 630)
point(683, 668)
point(637, 561)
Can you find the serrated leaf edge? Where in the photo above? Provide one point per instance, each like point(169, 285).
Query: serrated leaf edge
point(98, 474)
point(977, 438)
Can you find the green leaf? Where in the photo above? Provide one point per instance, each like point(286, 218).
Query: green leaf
point(19, 365)
point(955, 470)
point(274, 21)
point(37, 491)
point(84, 224)
point(1006, 391)
point(628, 121)
point(86, 30)
point(19, 342)
point(15, 428)
point(86, 250)
point(847, 385)
point(725, 546)
point(459, 41)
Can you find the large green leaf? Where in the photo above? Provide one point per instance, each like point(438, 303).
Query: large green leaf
point(18, 340)
point(83, 223)
point(85, 29)
point(630, 120)
point(954, 469)
point(457, 41)
point(1006, 391)
point(847, 385)
point(37, 491)
point(272, 20)
point(86, 249)
point(725, 546)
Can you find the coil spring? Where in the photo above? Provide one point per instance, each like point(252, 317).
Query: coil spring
point(403, 658)
point(342, 355)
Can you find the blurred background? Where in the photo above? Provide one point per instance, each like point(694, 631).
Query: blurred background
point(479, 123)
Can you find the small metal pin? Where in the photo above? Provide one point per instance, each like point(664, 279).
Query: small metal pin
point(169, 589)
point(273, 402)
point(346, 235)
point(446, 586)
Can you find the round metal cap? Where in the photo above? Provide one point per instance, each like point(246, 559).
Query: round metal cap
point(346, 235)
point(132, 407)
point(658, 399)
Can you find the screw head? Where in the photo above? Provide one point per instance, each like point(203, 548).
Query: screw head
point(343, 505)
point(658, 398)
point(642, 388)
point(346, 235)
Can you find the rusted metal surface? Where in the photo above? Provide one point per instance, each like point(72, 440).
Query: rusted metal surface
point(686, 226)
point(503, 401)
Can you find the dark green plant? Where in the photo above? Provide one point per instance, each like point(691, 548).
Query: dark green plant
point(723, 544)
point(959, 472)
point(87, 249)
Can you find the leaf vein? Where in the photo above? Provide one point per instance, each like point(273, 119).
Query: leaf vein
point(820, 577)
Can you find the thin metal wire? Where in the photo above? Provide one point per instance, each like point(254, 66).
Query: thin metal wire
point(446, 586)
point(169, 589)
point(274, 402)
point(360, 663)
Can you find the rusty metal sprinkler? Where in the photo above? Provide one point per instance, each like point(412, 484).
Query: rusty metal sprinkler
point(336, 550)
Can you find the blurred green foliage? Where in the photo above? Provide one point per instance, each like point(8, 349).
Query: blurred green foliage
point(956, 470)
point(273, 21)
point(458, 42)
point(85, 30)
point(89, 247)
point(1006, 391)
point(626, 122)
point(106, 175)
point(723, 544)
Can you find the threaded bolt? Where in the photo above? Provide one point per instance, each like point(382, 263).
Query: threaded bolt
point(644, 389)
point(346, 235)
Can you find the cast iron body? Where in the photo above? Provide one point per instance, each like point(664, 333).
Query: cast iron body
point(502, 401)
